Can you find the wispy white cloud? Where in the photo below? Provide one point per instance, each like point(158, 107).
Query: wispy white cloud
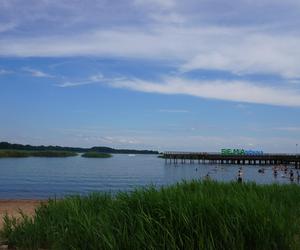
point(67, 12)
point(250, 53)
point(237, 91)
point(74, 83)
point(240, 51)
point(36, 73)
point(228, 90)
point(250, 40)
point(91, 80)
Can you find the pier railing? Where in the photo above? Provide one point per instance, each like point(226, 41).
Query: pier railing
point(240, 159)
point(218, 153)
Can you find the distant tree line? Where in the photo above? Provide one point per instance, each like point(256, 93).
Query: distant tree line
point(10, 146)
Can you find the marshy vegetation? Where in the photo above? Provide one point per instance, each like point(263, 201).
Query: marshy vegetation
point(195, 215)
point(46, 153)
point(23, 153)
point(108, 150)
point(96, 155)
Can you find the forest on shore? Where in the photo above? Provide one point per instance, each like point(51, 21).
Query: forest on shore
point(108, 150)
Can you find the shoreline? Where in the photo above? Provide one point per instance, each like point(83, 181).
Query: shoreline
point(12, 207)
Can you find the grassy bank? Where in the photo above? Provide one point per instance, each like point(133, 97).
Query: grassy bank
point(194, 215)
point(22, 153)
point(96, 155)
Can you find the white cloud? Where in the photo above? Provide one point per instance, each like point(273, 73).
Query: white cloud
point(241, 51)
point(91, 80)
point(36, 73)
point(227, 90)
point(250, 53)
point(237, 91)
point(96, 78)
point(74, 84)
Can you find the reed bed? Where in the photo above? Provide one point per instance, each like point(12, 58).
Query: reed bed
point(24, 153)
point(92, 154)
point(189, 215)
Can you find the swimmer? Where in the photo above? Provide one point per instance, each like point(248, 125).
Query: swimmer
point(291, 175)
point(239, 177)
point(261, 170)
point(275, 172)
point(207, 177)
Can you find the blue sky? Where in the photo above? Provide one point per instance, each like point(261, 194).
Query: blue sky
point(156, 74)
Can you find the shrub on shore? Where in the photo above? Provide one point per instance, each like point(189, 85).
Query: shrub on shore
point(22, 153)
point(96, 155)
point(195, 215)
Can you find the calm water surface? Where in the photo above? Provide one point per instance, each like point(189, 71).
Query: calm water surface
point(49, 177)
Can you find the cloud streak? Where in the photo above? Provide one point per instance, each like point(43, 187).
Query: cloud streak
point(227, 90)
point(36, 73)
point(91, 80)
point(237, 91)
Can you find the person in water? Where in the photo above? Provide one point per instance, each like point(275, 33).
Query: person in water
point(207, 177)
point(261, 170)
point(275, 172)
point(239, 177)
point(291, 175)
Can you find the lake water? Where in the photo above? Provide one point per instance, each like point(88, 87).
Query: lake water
point(49, 177)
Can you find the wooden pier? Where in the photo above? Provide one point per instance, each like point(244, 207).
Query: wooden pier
point(217, 158)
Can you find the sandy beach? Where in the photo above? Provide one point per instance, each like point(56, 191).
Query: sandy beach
point(12, 208)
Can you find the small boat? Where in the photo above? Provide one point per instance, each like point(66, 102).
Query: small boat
point(131, 155)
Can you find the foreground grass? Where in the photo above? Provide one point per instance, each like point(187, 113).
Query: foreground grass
point(196, 215)
point(23, 153)
point(96, 155)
